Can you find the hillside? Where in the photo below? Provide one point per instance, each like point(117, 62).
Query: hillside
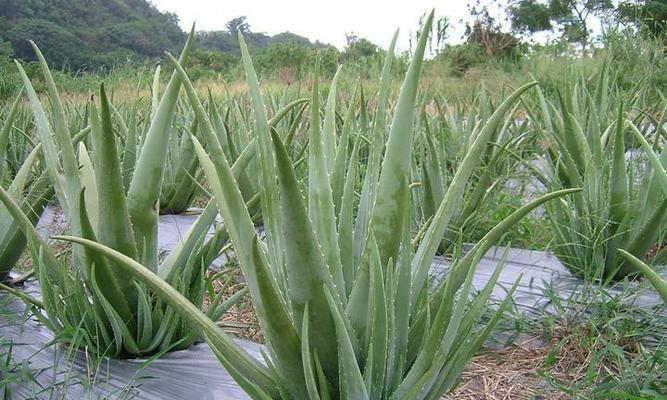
point(89, 34)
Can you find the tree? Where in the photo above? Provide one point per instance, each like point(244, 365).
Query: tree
point(359, 47)
point(238, 24)
point(5, 52)
point(487, 32)
point(289, 55)
point(439, 33)
point(571, 17)
point(495, 43)
point(89, 34)
point(8, 80)
point(650, 16)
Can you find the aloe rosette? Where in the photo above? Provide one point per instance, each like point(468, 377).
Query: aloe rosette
point(339, 324)
point(83, 292)
point(29, 187)
point(621, 205)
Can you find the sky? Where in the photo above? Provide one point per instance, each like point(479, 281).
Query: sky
point(326, 21)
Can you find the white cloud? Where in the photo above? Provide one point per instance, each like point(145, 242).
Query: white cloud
point(326, 21)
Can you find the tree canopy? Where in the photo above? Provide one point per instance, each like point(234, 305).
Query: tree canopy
point(90, 34)
point(571, 17)
point(649, 15)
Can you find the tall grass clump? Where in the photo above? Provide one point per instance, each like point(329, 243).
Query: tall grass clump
point(337, 323)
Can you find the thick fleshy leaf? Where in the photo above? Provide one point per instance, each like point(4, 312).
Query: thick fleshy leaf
point(307, 358)
point(338, 176)
point(351, 381)
point(369, 189)
point(658, 283)
point(320, 198)
point(329, 127)
point(233, 355)
point(115, 228)
point(142, 197)
point(388, 207)
point(307, 274)
point(8, 125)
point(447, 207)
point(618, 179)
point(267, 173)
point(285, 342)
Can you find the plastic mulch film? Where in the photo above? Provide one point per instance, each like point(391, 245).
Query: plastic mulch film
point(55, 371)
point(58, 372)
point(546, 287)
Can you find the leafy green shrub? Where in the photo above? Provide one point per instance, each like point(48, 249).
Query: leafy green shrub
point(289, 55)
point(213, 65)
point(462, 57)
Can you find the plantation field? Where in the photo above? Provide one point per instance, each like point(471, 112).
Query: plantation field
point(394, 226)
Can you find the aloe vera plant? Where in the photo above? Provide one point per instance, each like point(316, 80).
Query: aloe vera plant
point(115, 316)
point(336, 326)
point(621, 206)
point(444, 143)
point(30, 188)
point(658, 167)
point(180, 185)
point(180, 181)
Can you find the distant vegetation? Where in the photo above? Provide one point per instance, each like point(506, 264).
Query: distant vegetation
point(84, 34)
point(124, 39)
point(92, 34)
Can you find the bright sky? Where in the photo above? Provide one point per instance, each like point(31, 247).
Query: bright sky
point(326, 21)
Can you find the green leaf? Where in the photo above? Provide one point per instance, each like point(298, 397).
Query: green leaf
point(618, 179)
point(8, 125)
point(658, 283)
point(224, 346)
point(115, 228)
point(338, 181)
point(307, 273)
point(351, 380)
point(388, 207)
point(329, 127)
point(144, 192)
point(267, 174)
point(87, 176)
point(369, 189)
point(346, 221)
point(283, 338)
point(320, 199)
point(307, 358)
point(376, 360)
point(60, 127)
